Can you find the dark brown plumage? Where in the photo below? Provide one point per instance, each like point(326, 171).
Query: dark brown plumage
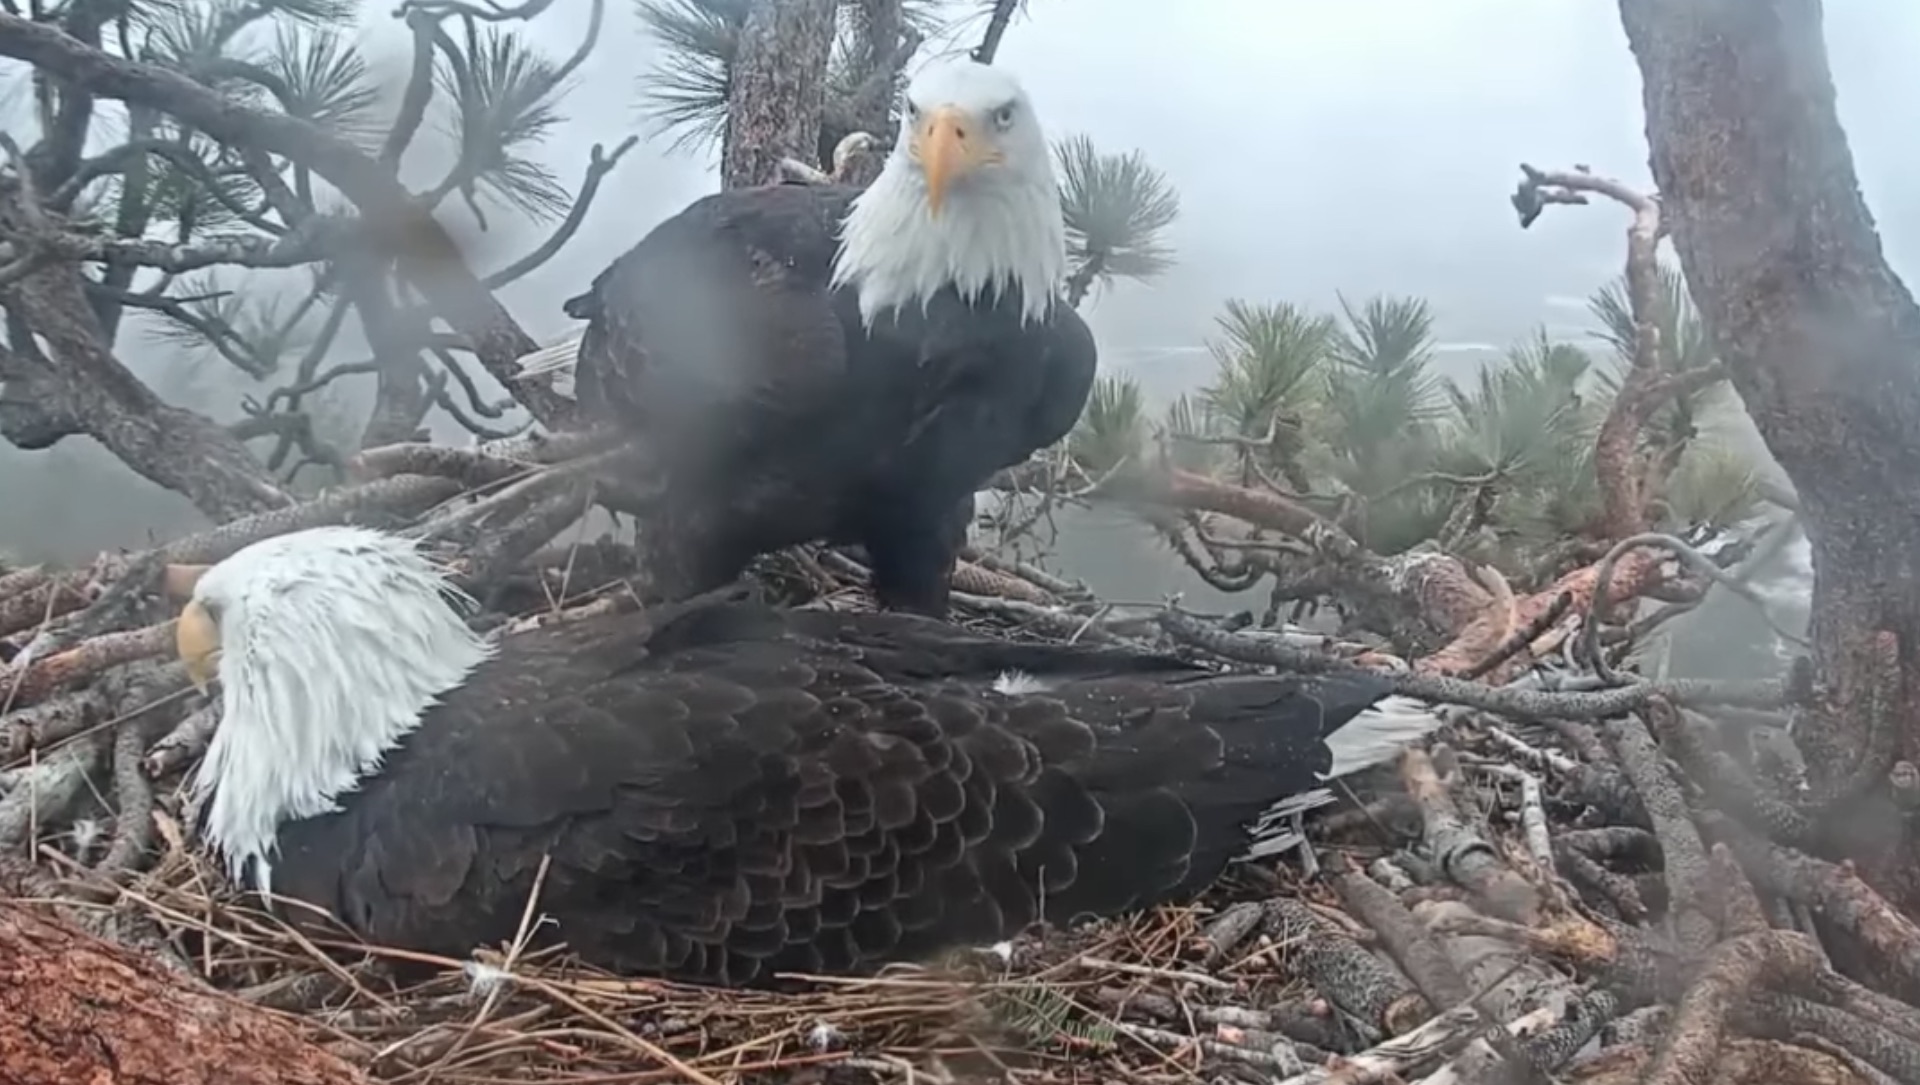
point(783, 420)
point(728, 791)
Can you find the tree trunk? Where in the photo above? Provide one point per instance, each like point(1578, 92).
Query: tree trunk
point(75, 1010)
point(400, 401)
point(778, 91)
point(1758, 188)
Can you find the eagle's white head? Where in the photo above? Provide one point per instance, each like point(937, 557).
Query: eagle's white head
point(967, 199)
point(329, 643)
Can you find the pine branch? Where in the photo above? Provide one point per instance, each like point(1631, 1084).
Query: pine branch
point(425, 252)
point(489, 13)
point(313, 240)
point(212, 330)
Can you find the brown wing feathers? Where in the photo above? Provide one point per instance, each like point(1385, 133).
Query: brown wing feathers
point(744, 797)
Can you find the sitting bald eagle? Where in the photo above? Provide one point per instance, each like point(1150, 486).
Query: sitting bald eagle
point(821, 361)
point(726, 790)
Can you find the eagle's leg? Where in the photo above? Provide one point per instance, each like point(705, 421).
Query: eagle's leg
point(911, 571)
point(685, 551)
point(912, 551)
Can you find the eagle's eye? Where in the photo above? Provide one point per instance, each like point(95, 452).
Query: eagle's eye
point(1003, 117)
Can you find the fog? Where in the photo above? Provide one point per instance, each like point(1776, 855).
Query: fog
point(1365, 147)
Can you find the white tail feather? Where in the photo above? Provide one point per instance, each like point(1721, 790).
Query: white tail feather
point(1277, 839)
point(1374, 737)
point(1019, 684)
point(1379, 734)
point(550, 359)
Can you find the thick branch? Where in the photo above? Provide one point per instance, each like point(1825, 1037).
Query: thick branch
point(1737, 968)
point(1632, 576)
point(32, 414)
point(178, 449)
point(400, 400)
point(75, 1009)
point(132, 217)
point(302, 246)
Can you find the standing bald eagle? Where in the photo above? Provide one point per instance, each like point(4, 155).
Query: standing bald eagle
point(821, 361)
point(725, 790)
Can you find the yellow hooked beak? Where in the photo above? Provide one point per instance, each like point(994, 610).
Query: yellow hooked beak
point(950, 143)
point(198, 642)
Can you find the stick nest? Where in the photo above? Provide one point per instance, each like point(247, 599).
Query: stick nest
point(1582, 879)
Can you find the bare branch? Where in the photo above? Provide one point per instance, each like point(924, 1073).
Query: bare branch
point(291, 394)
point(294, 431)
point(997, 22)
point(419, 93)
point(598, 167)
point(437, 391)
point(489, 12)
point(1623, 482)
point(596, 15)
point(304, 245)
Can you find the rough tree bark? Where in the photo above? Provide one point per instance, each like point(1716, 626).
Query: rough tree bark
point(75, 1010)
point(1760, 196)
point(82, 384)
point(778, 89)
point(401, 400)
